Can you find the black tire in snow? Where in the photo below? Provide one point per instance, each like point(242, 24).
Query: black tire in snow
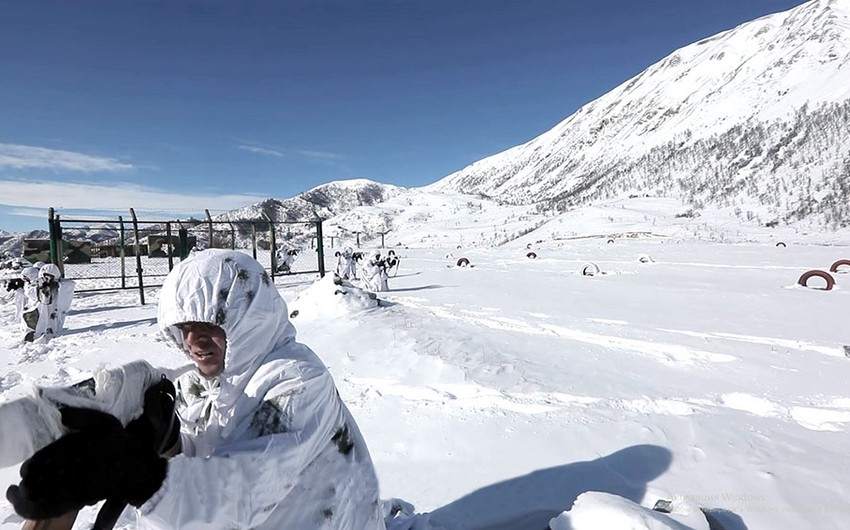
point(590, 269)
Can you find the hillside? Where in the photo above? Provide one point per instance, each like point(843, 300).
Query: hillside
point(325, 201)
point(757, 117)
point(423, 219)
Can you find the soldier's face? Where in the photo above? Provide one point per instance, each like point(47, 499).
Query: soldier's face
point(206, 345)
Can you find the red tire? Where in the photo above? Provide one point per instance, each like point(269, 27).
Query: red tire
point(463, 262)
point(830, 281)
point(834, 266)
point(531, 255)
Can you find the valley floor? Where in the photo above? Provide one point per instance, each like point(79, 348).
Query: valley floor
point(493, 395)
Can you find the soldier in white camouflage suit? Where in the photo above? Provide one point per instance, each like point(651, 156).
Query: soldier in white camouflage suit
point(267, 443)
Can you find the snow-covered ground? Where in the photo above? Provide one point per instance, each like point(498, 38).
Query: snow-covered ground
point(494, 396)
point(422, 219)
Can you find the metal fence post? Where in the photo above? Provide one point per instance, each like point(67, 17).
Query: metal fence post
point(123, 253)
point(170, 245)
point(182, 242)
point(209, 220)
point(273, 244)
point(53, 241)
point(232, 236)
point(273, 249)
point(138, 257)
point(60, 246)
point(254, 238)
point(320, 247)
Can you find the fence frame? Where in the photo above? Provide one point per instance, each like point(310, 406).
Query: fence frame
point(55, 226)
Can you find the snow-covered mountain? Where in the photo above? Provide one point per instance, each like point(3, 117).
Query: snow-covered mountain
point(13, 242)
point(756, 117)
point(326, 200)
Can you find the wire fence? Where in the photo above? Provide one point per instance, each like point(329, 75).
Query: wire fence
point(138, 254)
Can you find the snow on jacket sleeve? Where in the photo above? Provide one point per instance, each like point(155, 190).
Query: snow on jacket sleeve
point(245, 480)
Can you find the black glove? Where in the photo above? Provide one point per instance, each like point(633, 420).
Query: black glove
point(14, 284)
point(158, 426)
point(98, 459)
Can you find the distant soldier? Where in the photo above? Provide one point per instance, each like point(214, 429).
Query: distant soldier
point(285, 257)
point(26, 303)
point(22, 291)
point(346, 267)
point(7, 260)
point(375, 274)
point(53, 294)
point(392, 262)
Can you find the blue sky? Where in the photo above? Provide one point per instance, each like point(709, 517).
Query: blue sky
point(172, 107)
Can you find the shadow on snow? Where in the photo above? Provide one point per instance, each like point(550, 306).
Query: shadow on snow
point(101, 327)
point(529, 502)
point(422, 288)
point(98, 309)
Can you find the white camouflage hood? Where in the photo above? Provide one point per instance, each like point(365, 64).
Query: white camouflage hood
point(231, 290)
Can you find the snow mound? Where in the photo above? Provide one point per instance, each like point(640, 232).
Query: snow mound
point(326, 299)
point(593, 510)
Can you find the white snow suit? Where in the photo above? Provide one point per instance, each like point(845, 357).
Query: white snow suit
point(284, 258)
point(375, 275)
point(27, 300)
point(268, 444)
point(54, 296)
point(346, 267)
point(26, 296)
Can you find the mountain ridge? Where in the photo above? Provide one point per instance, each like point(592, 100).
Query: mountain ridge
point(759, 73)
